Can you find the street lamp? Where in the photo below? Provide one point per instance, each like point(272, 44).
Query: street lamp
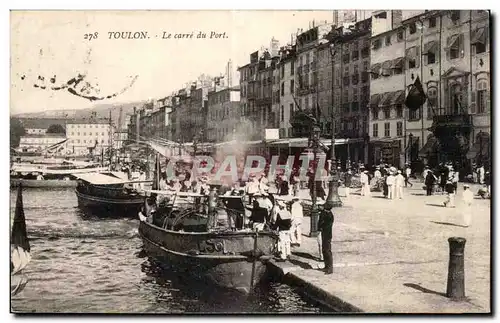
point(333, 189)
point(314, 211)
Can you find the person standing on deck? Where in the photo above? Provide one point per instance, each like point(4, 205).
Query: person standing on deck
point(325, 225)
point(251, 188)
point(283, 223)
point(399, 181)
point(468, 198)
point(430, 180)
point(297, 216)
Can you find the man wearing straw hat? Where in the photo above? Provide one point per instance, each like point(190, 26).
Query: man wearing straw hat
point(283, 224)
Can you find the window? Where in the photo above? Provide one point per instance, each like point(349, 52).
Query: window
point(399, 129)
point(72, 133)
point(78, 141)
point(282, 113)
point(376, 44)
point(387, 40)
point(291, 110)
point(414, 115)
point(355, 106)
point(103, 133)
point(292, 86)
point(482, 96)
point(432, 22)
point(84, 133)
point(387, 112)
point(400, 35)
point(78, 133)
point(413, 28)
point(412, 55)
point(381, 15)
point(346, 96)
point(102, 141)
point(455, 48)
point(399, 111)
point(307, 59)
point(283, 71)
point(375, 130)
point(345, 108)
point(282, 88)
point(387, 129)
point(90, 133)
point(431, 58)
point(306, 102)
point(455, 16)
point(355, 55)
point(85, 141)
point(432, 97)
point(375, 113)
point(292, 68)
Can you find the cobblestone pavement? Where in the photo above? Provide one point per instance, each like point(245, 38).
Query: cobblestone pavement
point(392, 255)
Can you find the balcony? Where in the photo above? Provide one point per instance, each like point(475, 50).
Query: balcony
point(446, 123)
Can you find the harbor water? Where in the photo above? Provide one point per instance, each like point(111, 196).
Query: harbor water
point(82, 264)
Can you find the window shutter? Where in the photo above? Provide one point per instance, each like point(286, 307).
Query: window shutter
point(487, 108)
point(419, 57)
point(461, 45)
point(473, 102)
point(448, 48)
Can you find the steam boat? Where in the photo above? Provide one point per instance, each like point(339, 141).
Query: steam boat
point(193, 234)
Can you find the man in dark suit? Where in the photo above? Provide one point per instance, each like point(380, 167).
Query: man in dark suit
point(325, 225)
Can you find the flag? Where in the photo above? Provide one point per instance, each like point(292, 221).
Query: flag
point(317, 113)
point(20, 245)
point(416, 96)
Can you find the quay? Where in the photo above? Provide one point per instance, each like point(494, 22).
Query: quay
point(391, 256)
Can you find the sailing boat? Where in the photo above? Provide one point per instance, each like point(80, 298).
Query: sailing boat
point(20, 247)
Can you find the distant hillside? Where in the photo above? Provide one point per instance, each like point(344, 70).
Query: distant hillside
point(102, 111)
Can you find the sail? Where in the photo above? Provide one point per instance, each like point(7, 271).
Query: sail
point(20, 246)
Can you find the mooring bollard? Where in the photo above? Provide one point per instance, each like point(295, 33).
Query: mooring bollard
point(455, 288)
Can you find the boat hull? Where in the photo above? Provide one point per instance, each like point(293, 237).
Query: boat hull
point(108, 207)
point(225, 259)
point(47, 183)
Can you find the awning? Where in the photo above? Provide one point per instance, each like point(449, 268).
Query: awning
point(411, 53)
point(386, 99)
point(386, 68)
point(430, 47)
point(479, 36)
point(100, 179)
point(398, 97)
point(375, 99)
point(453, 42)
point(480, 148)
point(428, 147)
point(397, 63)
point(375, 69)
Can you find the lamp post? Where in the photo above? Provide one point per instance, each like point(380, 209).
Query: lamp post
point(314, 211)
point(410, 144)
point(333, 193)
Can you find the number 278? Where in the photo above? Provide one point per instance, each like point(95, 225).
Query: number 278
point(91, 36)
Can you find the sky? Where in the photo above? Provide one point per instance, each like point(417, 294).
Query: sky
point(51, 43)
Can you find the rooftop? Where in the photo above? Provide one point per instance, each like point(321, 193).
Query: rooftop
point(41, 123)
point(48, 135)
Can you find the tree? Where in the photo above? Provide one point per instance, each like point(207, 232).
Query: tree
point(16, 131)
point(56, 128)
